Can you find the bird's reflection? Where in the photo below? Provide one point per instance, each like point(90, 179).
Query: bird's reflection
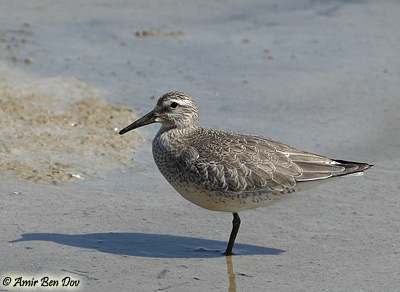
point(231, 274)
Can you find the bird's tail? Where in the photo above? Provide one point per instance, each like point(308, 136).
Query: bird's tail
point(351, 167)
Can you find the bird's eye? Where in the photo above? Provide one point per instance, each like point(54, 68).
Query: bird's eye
point(174, 104)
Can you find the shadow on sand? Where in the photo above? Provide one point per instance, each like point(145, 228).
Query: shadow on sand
point(149, 245)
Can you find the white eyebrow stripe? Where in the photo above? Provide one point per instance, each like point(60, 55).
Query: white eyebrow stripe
point(181, 101)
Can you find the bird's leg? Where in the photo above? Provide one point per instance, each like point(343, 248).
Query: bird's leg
point(235, 229)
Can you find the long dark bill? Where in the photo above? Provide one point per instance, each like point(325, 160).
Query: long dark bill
point(143, 121)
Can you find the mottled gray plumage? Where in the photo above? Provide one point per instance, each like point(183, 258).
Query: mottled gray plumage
point(230, 171)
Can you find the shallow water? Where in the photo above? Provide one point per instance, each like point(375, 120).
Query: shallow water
point(318, 75)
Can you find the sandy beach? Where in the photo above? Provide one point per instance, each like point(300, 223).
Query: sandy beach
point(88, 209)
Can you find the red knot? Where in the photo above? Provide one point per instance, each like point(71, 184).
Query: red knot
point(231, 171)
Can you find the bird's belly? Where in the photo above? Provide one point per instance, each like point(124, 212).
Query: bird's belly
point(194, 188)
point(226, 201)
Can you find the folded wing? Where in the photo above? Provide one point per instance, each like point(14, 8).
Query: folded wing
point(247, 163)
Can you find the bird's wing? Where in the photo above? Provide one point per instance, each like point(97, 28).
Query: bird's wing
point(237, 162)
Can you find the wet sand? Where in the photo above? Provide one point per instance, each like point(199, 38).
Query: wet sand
point(78, 200)
point(55, 135)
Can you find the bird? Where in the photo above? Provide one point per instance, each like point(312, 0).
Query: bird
point(229, 171)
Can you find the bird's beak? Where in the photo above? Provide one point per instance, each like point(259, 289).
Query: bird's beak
point(145, 120)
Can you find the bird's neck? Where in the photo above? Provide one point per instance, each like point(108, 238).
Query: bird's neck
point(172, 138)
point(175, 132)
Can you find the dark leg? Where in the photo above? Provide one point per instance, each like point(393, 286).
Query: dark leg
point(235, 229)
